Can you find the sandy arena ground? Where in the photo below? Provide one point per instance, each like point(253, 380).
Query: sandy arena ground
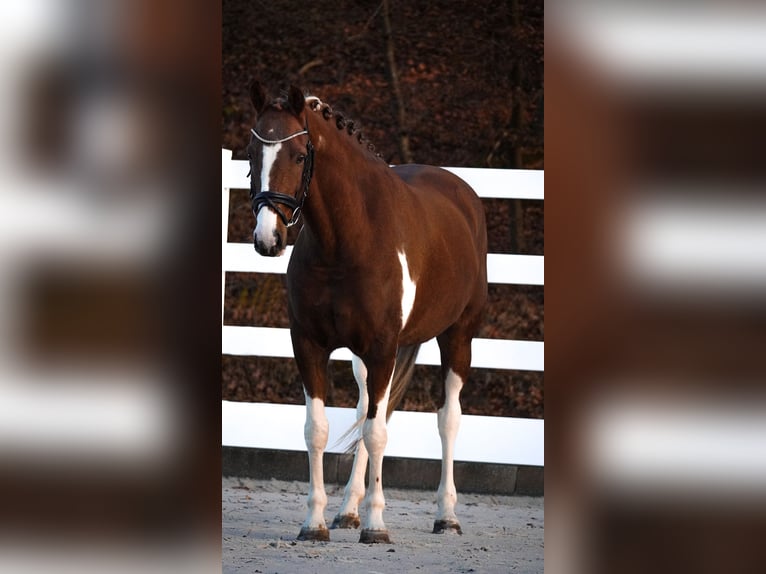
point(261, 519)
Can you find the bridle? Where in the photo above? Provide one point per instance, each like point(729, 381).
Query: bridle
point(272, 198)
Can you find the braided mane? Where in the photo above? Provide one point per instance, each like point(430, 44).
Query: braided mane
point(341, 122)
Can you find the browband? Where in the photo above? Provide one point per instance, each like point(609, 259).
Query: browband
point(291, 136)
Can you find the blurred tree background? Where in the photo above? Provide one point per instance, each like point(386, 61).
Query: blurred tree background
point(454, 83)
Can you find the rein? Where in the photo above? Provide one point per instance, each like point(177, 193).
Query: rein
point(272, 198)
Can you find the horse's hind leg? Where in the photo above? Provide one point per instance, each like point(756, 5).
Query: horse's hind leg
point(348, 515)
point(455, 347)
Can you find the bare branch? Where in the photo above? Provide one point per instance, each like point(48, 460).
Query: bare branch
point(404, 139)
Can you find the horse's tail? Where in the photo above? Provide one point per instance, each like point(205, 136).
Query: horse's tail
point(405, 365)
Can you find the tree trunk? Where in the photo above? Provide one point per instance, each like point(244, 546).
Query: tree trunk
point(404, 138)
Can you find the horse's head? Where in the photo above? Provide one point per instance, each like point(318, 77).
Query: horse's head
point(281, 162)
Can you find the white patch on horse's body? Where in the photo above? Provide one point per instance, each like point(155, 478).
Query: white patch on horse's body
point(266, 219)
point(449, 422)
point(409, 288)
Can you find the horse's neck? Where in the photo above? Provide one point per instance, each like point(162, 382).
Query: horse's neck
point(335, 212)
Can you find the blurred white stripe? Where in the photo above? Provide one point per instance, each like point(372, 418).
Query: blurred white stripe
point(715, 45)
point(695, 243)
point(645, 443)
point(97, 416)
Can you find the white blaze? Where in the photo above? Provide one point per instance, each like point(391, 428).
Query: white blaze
point(408, 289)
point(266, 219)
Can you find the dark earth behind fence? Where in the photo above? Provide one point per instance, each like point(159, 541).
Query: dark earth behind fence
point(471, 84)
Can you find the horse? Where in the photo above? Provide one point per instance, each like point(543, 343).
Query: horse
point(386, 259)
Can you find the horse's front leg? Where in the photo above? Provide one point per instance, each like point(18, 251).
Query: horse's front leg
point(348, 516)
point(375, 436)
point(312, 364)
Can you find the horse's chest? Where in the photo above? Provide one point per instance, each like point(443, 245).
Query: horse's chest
point(344, 309)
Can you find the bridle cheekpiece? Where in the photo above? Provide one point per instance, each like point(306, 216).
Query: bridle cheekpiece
point(272, 198)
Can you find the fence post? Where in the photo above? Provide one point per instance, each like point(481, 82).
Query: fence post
point(226, 155)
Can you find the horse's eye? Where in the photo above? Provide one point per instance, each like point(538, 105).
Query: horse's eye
point(300, 159)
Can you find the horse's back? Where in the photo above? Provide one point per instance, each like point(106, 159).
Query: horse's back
point(438, 189)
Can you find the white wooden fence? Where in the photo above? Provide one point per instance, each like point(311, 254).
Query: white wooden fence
point(411, 435)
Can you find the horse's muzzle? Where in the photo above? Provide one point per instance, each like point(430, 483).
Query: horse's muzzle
point(269, 249)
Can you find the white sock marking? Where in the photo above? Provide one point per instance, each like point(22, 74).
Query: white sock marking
point(316, 432)
point(449, 422)
point(375, 439)
point(354, 491)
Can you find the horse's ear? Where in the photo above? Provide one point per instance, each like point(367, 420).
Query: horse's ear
point(257, 96)
point(296, 99)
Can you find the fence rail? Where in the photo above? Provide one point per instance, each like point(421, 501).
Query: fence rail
point(250, 424)
point(501, 267)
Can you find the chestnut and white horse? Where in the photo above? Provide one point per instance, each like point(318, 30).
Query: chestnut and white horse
point(387, 259)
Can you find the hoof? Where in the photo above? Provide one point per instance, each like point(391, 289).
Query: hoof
point(346, 521)
point(321, 534)
point(374, 537)
point(442, 526)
